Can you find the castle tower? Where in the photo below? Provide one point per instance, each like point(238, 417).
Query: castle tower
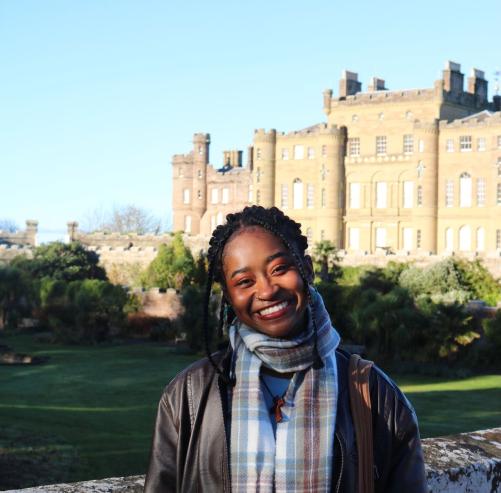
point(263, 173)
point(189, 191)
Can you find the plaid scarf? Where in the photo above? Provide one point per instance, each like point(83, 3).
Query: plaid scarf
point(300, 459)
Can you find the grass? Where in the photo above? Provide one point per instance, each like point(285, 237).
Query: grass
point(88, 412)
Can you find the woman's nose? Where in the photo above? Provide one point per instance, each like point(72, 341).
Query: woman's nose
point(266, 289)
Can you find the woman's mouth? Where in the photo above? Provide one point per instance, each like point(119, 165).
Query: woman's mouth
point(274, 311)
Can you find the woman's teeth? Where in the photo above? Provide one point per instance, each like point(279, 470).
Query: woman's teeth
point(274, 308)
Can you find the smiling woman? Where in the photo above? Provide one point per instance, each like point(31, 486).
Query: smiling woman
point(271, 413)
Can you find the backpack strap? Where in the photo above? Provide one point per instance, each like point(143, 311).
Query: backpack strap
point(360, 403)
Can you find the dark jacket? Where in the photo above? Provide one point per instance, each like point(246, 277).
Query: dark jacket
point(190, 442)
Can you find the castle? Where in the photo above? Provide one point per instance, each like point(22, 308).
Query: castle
point(409, 171)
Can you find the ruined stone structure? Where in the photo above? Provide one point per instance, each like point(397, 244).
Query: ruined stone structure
point(464, 463)
point(28, 237)
point(411, 172)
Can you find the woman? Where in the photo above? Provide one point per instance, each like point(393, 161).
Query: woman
point(272, 412)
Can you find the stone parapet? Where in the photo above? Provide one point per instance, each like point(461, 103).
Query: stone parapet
point(464, 463)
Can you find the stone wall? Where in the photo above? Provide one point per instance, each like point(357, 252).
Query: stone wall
point(28, 237)
point(465, 463)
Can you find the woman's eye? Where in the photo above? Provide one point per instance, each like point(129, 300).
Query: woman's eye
point(281, 268)
point(243, 282)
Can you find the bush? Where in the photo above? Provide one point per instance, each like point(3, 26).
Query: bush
point(82, 311)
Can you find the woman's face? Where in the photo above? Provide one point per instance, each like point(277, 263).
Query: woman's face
point(262, 283)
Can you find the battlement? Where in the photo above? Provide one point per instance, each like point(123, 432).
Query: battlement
point(261, 135)
point(318, 129)
point(482, 119)
point(26, 237)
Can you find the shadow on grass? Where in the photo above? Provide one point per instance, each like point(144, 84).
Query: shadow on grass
point(458, 411)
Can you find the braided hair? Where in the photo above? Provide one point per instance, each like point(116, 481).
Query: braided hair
point(281, 226)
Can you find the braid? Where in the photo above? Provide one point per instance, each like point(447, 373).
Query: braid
point(280, 225)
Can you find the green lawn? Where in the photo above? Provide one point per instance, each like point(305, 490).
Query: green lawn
point(88, 412)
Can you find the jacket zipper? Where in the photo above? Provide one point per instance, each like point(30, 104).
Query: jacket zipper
point(338, 484)
point(227, 479)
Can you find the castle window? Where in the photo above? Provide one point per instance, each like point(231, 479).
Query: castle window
point(418, 238)
point(407, 239)
point(311, 153)
point(408, 144)
point(354, 238)
point(499, 166)
point(310, 193)
point(324, 150)
point(298, 152)
point(449, 145)
point(480, 239)
point(354, 146)
point(258, 153)
point(499, 141)
point(323, 198)
point(199, 174)
point(355, 195)
point(380, 237)
point(180, 172)
point(322, 235)
point(381, 145)
point(186, 196)
point(480, 192)
point(498, 194)
point(226, 195)
point(449, 240)
point(215, 195)
point(465, 190)
point(199, 195)
point(284, 196)
point(309, 236)
point(187, 224)
point(449, 193)
point(219, 218)
point(258, 175)
point(465, 143)
point(408, 194)
point(200, 150)
point(354, 118)
point(258, 197)
point(464, 239)
point(498, 239)
point(420, 195)
point(381, 194)
point(297, 194)
point(480, 144)
point(285, 154)
point(421, 145)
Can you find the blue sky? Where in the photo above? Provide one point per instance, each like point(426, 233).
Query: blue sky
point(96, 95)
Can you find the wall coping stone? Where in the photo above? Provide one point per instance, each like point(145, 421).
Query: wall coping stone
point(464, 463)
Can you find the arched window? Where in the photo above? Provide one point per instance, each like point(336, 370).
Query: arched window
point(465, 190)
point(465, 239)
point(298, 193)
point(187, 224)
point(309, 236)
point(449, 240)
point(480, 239)
point(219, 218)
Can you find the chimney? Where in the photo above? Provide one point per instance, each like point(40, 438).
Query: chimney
point(349, 85)
point(453, 78)
point(376, 84)
point(477, 85)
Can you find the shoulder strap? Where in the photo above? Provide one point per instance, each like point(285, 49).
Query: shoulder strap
point(360, 401)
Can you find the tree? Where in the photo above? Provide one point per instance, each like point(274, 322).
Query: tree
point(325, 256)
point(173, 267)
point(14, 289)
point(64, 262)
point(127, 218)
point(8, 225)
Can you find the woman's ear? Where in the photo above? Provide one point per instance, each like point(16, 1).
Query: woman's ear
point(308, 267)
